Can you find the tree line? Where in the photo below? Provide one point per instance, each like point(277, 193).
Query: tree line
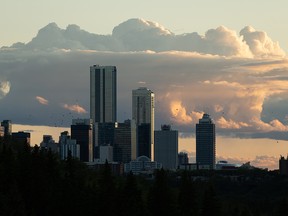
point(37, 182)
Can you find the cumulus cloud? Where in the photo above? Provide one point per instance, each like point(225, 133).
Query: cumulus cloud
point(265, 161)
point(4, 88)
point(223, 123)
point(75, 108)
point(208, 76)
point(260, 161)
point(260, 44)
point(142, 35)
point(42, 100)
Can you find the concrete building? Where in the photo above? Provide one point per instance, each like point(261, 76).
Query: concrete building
point(22, 137)
point(106, 153)
point(103, 93)
point(143, 118)
point(206, 142)
point(193, 166)
point(68, 145)
point(2, 131)
point(122, 142)
point(103, 135)
point(225, 165)
point(7, 124)
point(143, 165)
point(183, 158)
point(49, 144)
point(166, 147)
point(81, 131)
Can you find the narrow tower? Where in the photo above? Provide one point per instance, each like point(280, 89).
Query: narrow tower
point(205, 142)
point(143, 118)
point(103, 93)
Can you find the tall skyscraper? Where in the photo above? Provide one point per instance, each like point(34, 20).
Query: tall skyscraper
point(103, 93)
point(81, 131)
point(143, 115)
point(205, 142)
point(166, 147)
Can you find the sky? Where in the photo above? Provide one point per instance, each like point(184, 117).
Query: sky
point(226, 58)
point(20, 20)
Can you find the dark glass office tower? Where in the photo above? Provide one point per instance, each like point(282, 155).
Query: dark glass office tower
point(81, 131)
point(144, 140)
point(122, 142)
point(103, 93)
point(205, 142)
point(104, 136)
point(103, 105)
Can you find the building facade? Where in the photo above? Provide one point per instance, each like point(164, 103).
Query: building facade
point(103, 105)
point(68, 146)
point(7, 124)
point(81, 131)
point(2, 131)
point(48, 144)
point(103, 93)
point(103, 136)
point(122, 142)
point(143, 116)
point(22, 137)
point(166, 147)
point(206, 142)
point(106, 154)
point(183, 158)
point(142, 165)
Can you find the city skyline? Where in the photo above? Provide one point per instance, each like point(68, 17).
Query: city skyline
point(226, 64)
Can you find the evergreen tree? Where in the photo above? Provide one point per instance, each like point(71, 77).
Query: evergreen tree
point(131, 198)
point(210, 205)
point(282, 208)
point(107, 192)
point(187, 198)
point(161, 200)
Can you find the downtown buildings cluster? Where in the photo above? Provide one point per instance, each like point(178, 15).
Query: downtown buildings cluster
point(134, 144)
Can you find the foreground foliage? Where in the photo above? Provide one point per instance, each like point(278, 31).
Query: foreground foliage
point(35, 182)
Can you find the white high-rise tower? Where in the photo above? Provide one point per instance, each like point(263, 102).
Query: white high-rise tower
point(143, 117)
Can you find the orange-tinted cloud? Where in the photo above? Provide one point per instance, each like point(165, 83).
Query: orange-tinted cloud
point(75, 108)
point(42, 100)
